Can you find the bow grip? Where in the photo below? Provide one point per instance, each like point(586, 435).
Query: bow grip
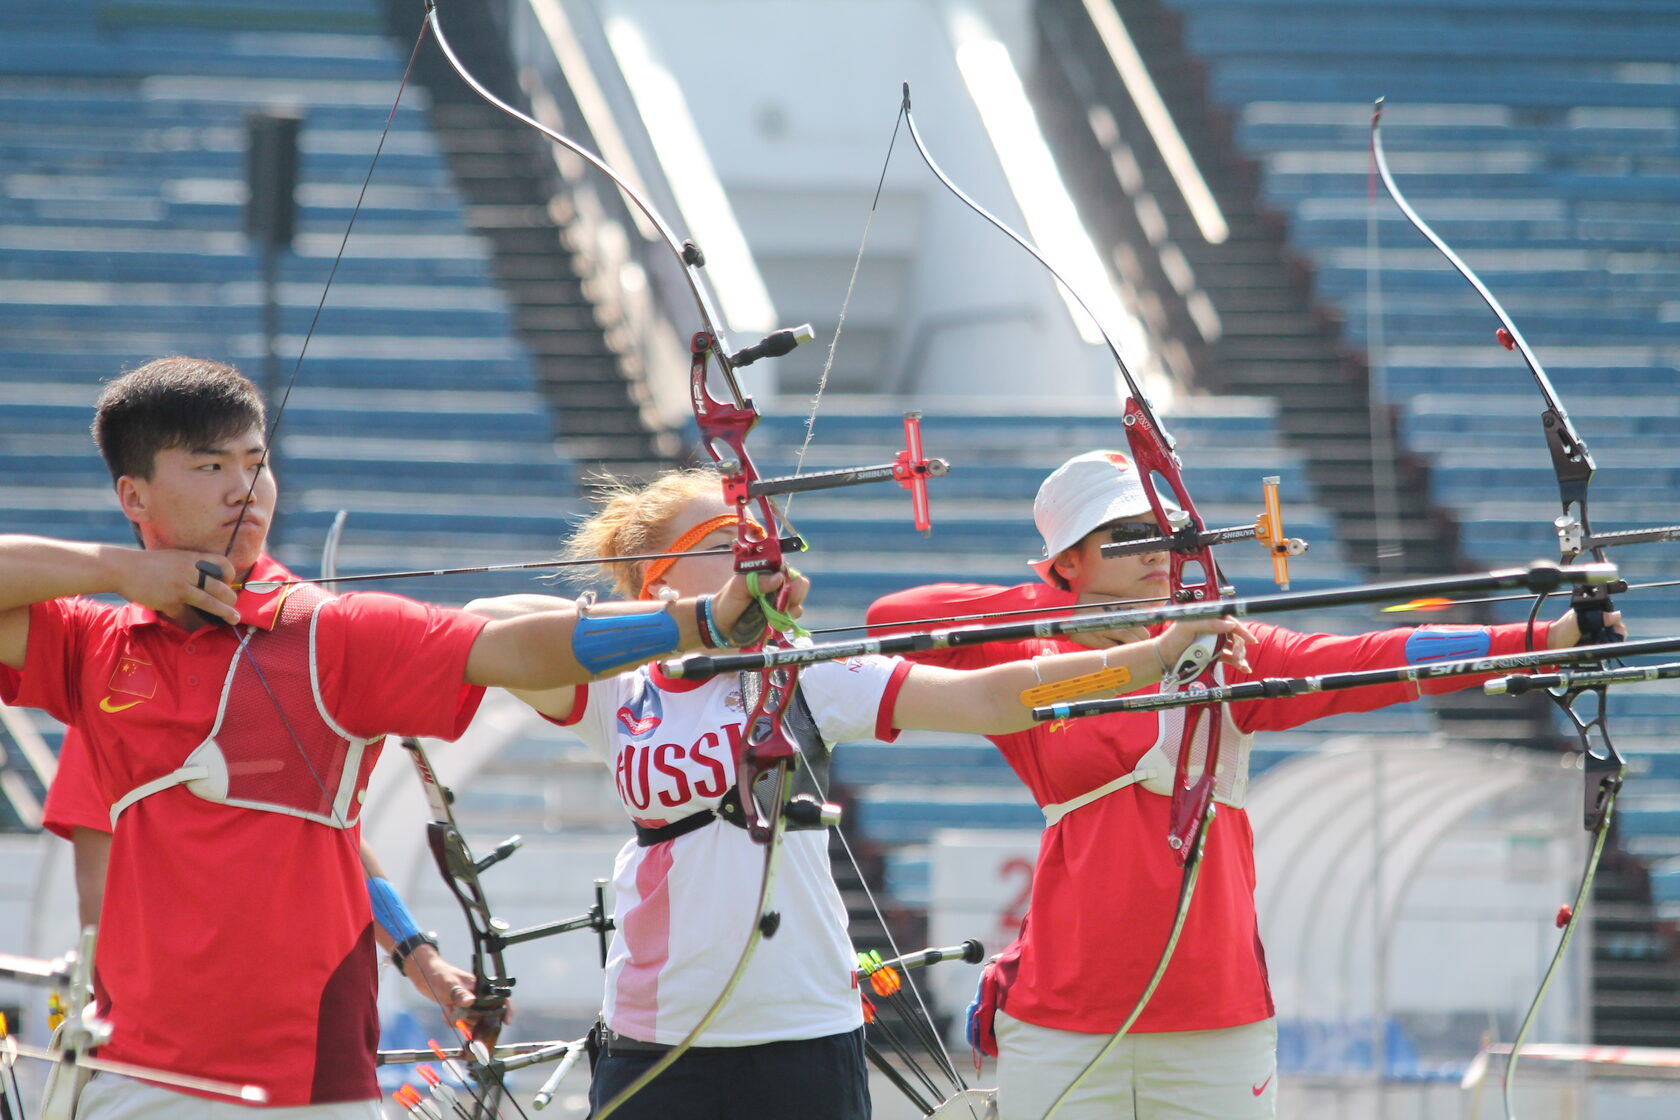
point(1190, 808)
point(1192, 801)
point(1195, 659)
point(1590, 603)
point(748, 628)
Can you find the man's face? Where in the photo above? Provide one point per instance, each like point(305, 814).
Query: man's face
point(196, 494)
point(1139, 576)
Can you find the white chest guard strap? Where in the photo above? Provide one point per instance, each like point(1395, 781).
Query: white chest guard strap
point(1157, 770)
point(274, 746)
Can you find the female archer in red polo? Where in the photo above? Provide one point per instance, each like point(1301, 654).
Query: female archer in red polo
point(1106, 884)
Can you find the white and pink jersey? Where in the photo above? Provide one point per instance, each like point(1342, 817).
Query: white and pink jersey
point(685, 907)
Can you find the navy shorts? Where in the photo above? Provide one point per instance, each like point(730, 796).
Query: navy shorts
point(802, 1079)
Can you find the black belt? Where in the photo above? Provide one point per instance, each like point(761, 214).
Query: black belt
point(617, 1044)
point(802, 812)
point(729, 809)
point(621, 1046)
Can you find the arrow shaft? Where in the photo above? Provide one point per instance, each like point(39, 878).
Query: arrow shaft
point(793, 544)
point(1274, 687)
point(1544, 577)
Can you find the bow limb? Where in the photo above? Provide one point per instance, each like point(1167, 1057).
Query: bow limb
point(763, 925)
point(686, 252)
point(1572, 461)
point(1573, 466)
point(482, 1106)
point(1193, 573)
point(491, 983)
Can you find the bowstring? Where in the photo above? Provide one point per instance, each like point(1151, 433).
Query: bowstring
point(942, 1055)
point(343, 828)
point(332, 274)
point(329, 580)
point(1385, 488)
point(840, 322)
point(268, 444)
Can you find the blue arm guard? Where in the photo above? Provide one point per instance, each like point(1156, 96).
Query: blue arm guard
point(1441, 643)
point(388, 910)
point(605, 642)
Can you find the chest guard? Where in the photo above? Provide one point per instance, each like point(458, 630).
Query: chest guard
point(1230, 782)
point(1157, 770)
point(274, 746)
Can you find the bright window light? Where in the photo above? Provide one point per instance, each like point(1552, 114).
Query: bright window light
point(1168, 141)
point(1037, 185)
point(694, 182)
point(592, 102)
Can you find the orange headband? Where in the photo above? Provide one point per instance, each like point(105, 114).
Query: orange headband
point(658, 568)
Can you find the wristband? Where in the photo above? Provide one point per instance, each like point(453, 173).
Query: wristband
point(706, 623)
point(405, 948)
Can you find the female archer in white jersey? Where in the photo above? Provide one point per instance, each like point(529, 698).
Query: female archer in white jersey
point(788, 1043)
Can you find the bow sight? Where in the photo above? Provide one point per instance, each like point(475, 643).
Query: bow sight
point(1267, 530)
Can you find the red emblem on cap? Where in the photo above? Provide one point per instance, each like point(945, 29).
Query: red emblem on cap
point(1121, 463)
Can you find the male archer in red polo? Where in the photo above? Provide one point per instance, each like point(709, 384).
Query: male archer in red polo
point(236, 939)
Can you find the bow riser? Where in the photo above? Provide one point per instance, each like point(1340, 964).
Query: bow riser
point(768, 747)
point(727, 423)
point(1153, 457)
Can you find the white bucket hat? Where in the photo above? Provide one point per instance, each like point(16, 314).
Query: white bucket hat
point(1083, 493)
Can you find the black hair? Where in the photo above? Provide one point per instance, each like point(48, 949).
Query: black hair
point(171, 402)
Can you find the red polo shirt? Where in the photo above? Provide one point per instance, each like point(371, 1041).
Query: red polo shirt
point(235, 943)
point(74, 799)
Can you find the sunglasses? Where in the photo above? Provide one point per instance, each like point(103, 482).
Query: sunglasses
point(1125, 532)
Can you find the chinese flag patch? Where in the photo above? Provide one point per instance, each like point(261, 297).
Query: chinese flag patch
point(135, 677)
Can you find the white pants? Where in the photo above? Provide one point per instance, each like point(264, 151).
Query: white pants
point(108, 1097)
point(1228, 1074)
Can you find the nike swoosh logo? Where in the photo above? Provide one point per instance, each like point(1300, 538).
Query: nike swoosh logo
point(105, 705)
point(1261, 1088)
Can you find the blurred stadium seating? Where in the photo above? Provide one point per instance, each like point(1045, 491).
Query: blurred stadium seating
point(1542, 140)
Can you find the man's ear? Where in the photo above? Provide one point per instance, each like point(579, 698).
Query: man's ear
point(132, 496)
